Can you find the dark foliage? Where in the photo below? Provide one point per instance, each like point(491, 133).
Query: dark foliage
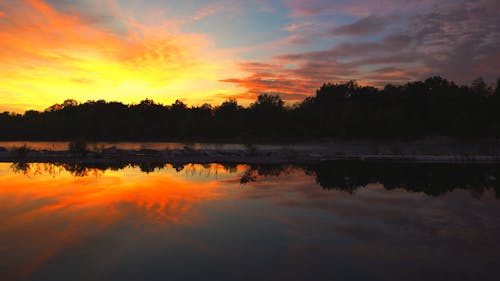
point(78, 148)
point(435, 106)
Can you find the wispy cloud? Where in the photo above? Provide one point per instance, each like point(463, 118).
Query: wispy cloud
point(203, 50)
point(47, 52)
point(456, 39)
point(214, 8)
point(364, 26)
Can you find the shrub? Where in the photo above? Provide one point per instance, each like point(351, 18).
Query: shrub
point(251, 149)
point(78, 147)
point(21, 152)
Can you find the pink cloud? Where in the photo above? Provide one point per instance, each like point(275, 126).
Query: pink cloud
point(457, 40)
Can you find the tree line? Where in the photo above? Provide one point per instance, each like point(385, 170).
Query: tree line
point(433, 107)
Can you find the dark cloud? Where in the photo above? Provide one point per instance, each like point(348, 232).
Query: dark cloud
point(346, 50)
point(462, 42)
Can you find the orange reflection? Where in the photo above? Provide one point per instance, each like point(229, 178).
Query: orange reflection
point(47, 209)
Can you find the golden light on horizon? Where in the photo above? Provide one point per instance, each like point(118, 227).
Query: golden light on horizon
point(47, 57)
point(208, 51)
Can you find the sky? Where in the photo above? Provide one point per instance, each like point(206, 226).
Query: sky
point(201, 51)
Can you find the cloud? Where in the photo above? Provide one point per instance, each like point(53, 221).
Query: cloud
point(347, 50)
point(305, 8)
point(292, 46)
point(461, 42)
point(214, 8)
point(365, 26)
point(297, 26)
point(296, 75)
point(457, 40)
point(104, 14)
point(266, 80)
point(363, 8)
point(48, 50)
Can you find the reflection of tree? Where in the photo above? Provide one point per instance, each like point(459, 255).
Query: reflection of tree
point(21, 167)
point(248, 176)
point(230, 168)
point(341, 177)
point(256, 171)
point(78, 170)
point(178, 167)
point(75, 169)
point(81, 169)
point(149, 167)
point(431, 179)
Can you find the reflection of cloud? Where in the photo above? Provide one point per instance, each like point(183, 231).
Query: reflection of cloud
point(286, 226)
point(64, 212)
point(377, 227)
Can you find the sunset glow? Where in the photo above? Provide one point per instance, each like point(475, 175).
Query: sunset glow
point(207, 51)
point(48, 55)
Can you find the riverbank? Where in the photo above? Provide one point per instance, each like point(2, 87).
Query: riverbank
point(302, 153)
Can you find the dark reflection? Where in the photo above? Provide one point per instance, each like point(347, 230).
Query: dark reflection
point(431, 179)
point(21, 167)
point(255, 171)
point(178, 167)
point(149, 167)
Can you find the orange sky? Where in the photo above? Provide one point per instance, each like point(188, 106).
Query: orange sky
point(47, 56)
point(202, 51)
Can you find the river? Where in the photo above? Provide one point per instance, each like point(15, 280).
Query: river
point(241, 222)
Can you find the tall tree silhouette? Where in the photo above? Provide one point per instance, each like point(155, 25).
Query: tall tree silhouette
point(435, 106)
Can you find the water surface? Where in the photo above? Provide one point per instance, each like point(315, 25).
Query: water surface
point(239, 222)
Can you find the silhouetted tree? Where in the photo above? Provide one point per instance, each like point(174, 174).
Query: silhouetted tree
point(479, 87)
point(435, 106)
point(497, 88)
point(266, 114)
point(227, 119)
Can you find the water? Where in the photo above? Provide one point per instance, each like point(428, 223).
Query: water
point(346, 221)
